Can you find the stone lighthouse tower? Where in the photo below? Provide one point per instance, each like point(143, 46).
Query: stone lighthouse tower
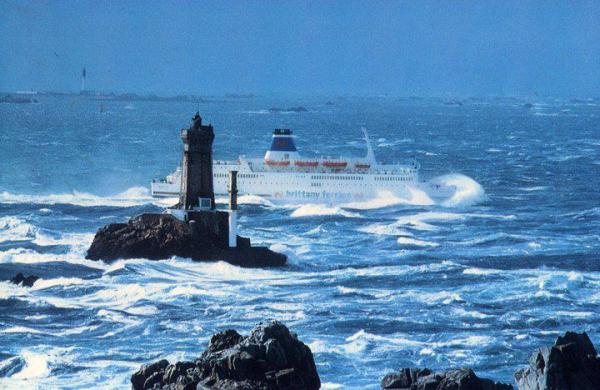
point(197, 172)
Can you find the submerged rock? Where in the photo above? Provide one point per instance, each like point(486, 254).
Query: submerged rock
point(161, 236)
point(21, 280)
point(570, 364)
point(425, 379)
point(270, 358)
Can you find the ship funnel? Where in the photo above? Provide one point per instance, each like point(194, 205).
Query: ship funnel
point(283, 141)
point(283, 149)
point(370, 155)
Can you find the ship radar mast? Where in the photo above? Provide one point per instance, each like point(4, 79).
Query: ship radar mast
point(370, 155)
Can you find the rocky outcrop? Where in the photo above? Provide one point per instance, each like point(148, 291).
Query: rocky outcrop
point(270, 358)
point(290, 109)
point(425, 379)
point(570, 364)
point(20, 99)
point(24, 281)
point(161, 236)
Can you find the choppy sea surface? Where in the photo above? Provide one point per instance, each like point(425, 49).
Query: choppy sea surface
point(504, 267)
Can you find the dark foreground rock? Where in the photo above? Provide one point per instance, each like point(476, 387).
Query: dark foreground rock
point(425, 379)
point(161, 236)
point(271, 358)
point(570, 364)
point(21, 280)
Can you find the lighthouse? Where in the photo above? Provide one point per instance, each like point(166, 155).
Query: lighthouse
point(82, 91)
point(197, 168)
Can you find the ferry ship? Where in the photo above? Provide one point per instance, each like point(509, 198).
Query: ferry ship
point(283, 174)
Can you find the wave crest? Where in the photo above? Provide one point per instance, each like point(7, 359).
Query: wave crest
point(133, 196)
point(468, 191)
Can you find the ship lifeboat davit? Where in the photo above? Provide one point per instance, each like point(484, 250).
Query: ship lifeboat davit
point(335, 164)
point(277, 163)
point(362, 166)
point(310, 164)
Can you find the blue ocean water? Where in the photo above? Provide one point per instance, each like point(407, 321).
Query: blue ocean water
point(508, 264)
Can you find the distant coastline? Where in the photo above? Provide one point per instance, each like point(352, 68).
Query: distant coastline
point(111, 96)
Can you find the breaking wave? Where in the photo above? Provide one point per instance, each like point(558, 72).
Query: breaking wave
point(416, 197)
point(414, 242)
point(312, 210)
point(134, 196)
point(468, 191)
point(15, 229)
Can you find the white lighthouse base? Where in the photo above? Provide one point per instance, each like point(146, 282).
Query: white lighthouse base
point(232, 228)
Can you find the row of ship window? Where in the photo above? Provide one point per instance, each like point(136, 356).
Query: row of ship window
point(319, 177)
point(392, 178)
point(244, 175)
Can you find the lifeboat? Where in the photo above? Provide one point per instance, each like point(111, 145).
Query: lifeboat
point(335, 164)
point(362, 166)
point(311, 164)
point(277, 163)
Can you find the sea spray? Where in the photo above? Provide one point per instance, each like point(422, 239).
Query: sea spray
point(468, 191)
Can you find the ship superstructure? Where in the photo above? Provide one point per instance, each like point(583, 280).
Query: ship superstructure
point(283, 173)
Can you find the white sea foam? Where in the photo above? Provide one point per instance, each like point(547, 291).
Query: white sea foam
point(415, 197)
point(15, 229)
point(291, 254)
point(469, 313)
point(388, 229)
point(259, 112)
point(41, 284)
point(574, 314)
point(254, 199)
point(419, 221)
point(71, 239)
point(468, 191)
point(414, 242)
point(28, 256)
point(21, 329)
point(318, 346)
point(481, 271)
point(134, 196)
point(312, 210)
point(36, 366)
point(434, 298)
point(315, 231)
point(534, 188)
point(359, 340)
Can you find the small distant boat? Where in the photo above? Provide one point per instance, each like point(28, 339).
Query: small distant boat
point(362, 166)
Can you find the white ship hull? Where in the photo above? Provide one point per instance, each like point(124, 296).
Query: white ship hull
point(284, 175)
point(309, 187)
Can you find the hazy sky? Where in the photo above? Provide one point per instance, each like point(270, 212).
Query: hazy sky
point(403, 48)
